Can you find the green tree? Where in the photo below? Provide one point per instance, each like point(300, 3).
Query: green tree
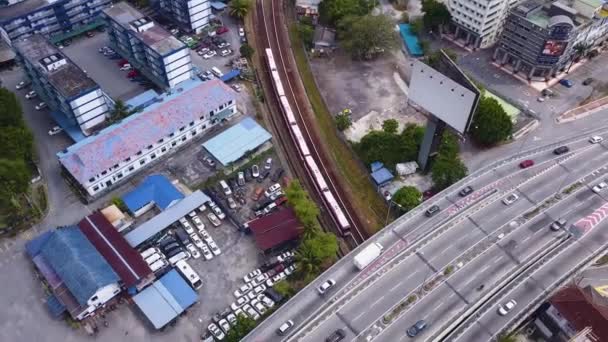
point(240, 329)
point(307, 34)
point(17, 143)
point(446, 171)
point(408, 197)
point(416, 26)
point(436, 14)
point(14, 180)
point(246, 51)
point(433, 59)
point(121, 111)
point(295, 193)
point(390, 148)
point(390, 126)
point(491, 124)
point(332, 11)
point(405, 18)
point(10, 109)
point(449, 147)
point(343, 121)
point(239, 8)
point(367, 36)
point(507, 338)
point(580, 50)
point(314, 253)
point(306, 210)
point(284, 288)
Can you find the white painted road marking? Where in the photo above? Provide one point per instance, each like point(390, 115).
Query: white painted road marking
point(378, 300)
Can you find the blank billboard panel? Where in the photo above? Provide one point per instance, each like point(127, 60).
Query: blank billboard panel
point(441, 96)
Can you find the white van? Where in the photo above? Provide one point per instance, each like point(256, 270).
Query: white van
point(217, 72)
point(225, 187)
point(153, 258)
point(148, 252)
point(159, 265)
point(179, 256)
point(188, 274)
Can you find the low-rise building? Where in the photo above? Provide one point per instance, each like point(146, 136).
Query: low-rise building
point(62, 85)
point(147, 46)
point(155, 191)
point(190, 15)
point(543, 38)
point(99, 162)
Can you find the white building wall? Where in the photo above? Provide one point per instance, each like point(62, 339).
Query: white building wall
point(177, 80)
point(175, 56)
point(85, 98)
point(178, 71)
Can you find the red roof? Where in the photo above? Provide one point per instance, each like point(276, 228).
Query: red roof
point(582, 310)
point(124, 259)
point(275, 229)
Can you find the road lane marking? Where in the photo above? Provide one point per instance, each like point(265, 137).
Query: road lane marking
point(484, 268)
point(438, 306)
point(394, 287)
point(378, 300)
point(358, 316)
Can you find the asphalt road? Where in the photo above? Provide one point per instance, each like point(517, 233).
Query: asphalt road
point(464, 224)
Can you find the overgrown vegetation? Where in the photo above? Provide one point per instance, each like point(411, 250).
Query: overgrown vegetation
point(239, 8)
point(447, 167)
point(408, 198)
point(491, 124)
point(368, 36)
point(306, 30)
point(332, 11)
point(343, 121)
point(240, 329)
point(246, 51)
point(436, 14)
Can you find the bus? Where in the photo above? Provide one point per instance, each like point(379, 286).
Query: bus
point(189, 275)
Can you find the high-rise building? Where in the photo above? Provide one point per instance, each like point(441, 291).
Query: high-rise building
point(148, 47)
point(62, 85)
point(190, 15)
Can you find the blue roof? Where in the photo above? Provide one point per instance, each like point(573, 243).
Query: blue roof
point(75, 260)
point(155, 188)
point(166, 299)
point(55, 306)
point(236, 141)
point(144, 99)
point(411, 40)
point(382, 176)
point(375, 166)
point(230, 75)
point(218, 6)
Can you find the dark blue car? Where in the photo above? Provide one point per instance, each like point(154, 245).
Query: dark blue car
point(566, 83)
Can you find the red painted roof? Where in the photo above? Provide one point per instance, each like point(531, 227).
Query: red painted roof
point(277, 228)
point(124, 259)
point(582, 310)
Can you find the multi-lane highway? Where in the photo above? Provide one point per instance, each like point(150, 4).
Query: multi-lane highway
point(482, 243)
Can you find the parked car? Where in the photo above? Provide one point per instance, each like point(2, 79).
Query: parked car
point(336, 336)
point(566, 83)
point(217, 333)
point(31, 95)
point(55, 130)
point(219, 213)
point(241, 291)
point(241, 32)
point(213, 219)
point(277, 174)
point(268, 164)
point(21, 85)
point(255, 171)
point(193, 251)
point(588, 81)
point(206, 252)
point(263, 176)
point(223, 323)
point(209, 54)
point(231, 203)
point(214, 248)
point(251, 275)
point(221, 30)
point(240, 301)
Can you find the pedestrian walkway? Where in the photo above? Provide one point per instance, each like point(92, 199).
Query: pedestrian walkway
point(583, 111)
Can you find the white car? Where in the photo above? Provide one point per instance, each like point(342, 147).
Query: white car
point(40, 106)
point(55, 130)
point(598, 188)
point(596, 139)
point(126, 67)
point(223, 323)
point(231, 318)
point(289, 270)
point(197, 240)
point(219, 213)
point(259, 279)
point(209, 54)
point(188, 228)
point(280, 276)
point(326, 286)
point(183, 221)
point(213, 219)
point(207, 253)
point(31, 95)
point(251, 312)
point(266, 301)
point(541, 99)
point(202, 208)
point(231, 203)
point(269, 282)
point(512, 198)
point(21, 85)
point(205, 236)
point(285, 255)
point(217, 333)
point(192, 214)
point(198, 223)
point(240, 301)
point(214, 248)
point(241, 32)
point(259, 307)
point(249, 277)
point(268, 164)
point(255, 171)
point(243, 290)
point(202, 51)
point(236, 88)
point(239, 312)
point(256, 291)
point(193, 251)
point(503, 310)
point(225, 52)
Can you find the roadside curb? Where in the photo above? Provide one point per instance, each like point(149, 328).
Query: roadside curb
point(529, 127)
point(569, 116)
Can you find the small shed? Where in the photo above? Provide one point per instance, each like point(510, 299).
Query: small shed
point(324, 38)
point(404, 169)
point(382, 176)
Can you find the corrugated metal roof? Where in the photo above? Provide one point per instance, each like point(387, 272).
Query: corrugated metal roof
point(76, 261)
point(275, 229)
point(125, 260)
point(99, 152)
point(166, 299)
point(155, 188)
point(382, 176)
point(233, 143)
point(163, 220)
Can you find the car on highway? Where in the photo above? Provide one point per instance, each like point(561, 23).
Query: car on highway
point(598, 188)
point(561, 150)
point(55, 130)
point(466, 191)
point(512, 198)
point(323, 288)
point(417, 328)
point(558, 224)
point(596, 139)
point(432, 211)
point(526, 163)
point(336, 336)
point(566, 83)
point(285, 327)
point(503, 310)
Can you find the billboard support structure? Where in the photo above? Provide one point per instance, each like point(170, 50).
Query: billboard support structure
point(430, 143)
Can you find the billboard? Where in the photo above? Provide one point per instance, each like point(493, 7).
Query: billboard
point(554, 48)
point(451, 99)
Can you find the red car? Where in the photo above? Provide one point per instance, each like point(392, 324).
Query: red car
point(122, 62)
point(221, 30)
point(133, 73)
point(526, 163)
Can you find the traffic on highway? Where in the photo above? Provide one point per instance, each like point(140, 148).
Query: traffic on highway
point(469, 271)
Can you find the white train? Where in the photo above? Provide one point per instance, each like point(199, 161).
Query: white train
point(298, 137)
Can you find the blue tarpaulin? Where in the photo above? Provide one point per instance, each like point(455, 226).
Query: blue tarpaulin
point(382, 176)
point(230, 75)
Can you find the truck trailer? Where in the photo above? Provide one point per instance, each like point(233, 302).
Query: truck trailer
point(367, 255)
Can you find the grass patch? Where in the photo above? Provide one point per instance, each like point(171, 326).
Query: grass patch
point(367, 201)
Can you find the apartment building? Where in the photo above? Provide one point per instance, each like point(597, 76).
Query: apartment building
point(147, 46)
point(190, 15)
point(540, 37)
point(19, 19)
point(99, 162)
point(478, 23)
point(61, 84)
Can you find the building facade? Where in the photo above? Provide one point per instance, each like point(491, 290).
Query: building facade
point(541, 39)
point(101, 161)
point(190, 15)
point(478, 23)
point(147, 46)
point(21, 19)
point(62, 85)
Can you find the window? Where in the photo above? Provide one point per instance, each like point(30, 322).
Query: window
point(142, 162)
point(96, 187)
point(103, 173)
point(161, 141)
point(202, 118)
point(221, 107)
point(182, 128)
point(119, 175)
point(172, 134)
point(149, 147)
point(115, 166)
point(174, 143)
point(211, 113)
point(94, 298)
point(128, 159)
point(192, 124)
point(131, 168)
point(184, 138)
point(139, 153)
point(91, 179)
point(193, 132)
point(163, 149)
point(153, 156)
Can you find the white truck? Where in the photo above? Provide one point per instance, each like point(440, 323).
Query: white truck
point(367, 255)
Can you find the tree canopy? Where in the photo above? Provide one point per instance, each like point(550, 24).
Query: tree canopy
point(121, 111)
point(436, 14)
point(367, 36)
point(391, 148)
point(408, 197)
point(315, 253)
point(343, 121)
point(332, 11)
point(447, 168)
point(491, 124)
point(246, 50)
point(10, 110)
point(306, 210)
point(239, 8)
point(240, 329)
point(390, 126)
